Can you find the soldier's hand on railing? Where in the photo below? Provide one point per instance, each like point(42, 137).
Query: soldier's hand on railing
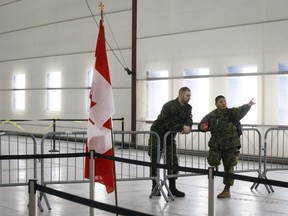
point(204, 126)
point(186, 129)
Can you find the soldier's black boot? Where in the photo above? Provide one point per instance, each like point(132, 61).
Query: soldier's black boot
point(173, 189)
point(154, 184)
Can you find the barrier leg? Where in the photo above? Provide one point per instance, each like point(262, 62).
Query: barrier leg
point(40, 205)
point(159, 189)
point(211, 198)
point(268, 186)
point(155, 190)
point(168, 190)
point(255, 184)
point(46, 201)
point(32, 198)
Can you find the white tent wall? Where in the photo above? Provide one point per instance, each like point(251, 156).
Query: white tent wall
point(38, 37)
point(214, 34)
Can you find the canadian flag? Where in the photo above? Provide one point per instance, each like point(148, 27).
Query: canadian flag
point(100, 122)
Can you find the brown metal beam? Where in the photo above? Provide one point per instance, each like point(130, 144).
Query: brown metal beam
point(134, 65)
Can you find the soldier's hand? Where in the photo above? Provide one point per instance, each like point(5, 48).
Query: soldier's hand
point(204, 126)
point(251, 102)
point(186, 129)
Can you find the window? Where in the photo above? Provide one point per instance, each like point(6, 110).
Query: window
point(199, 91)
point(242, 69)
point(282, 94)
point(54, 92)
point(241, 90)
point(157, 93)
point(19, 92)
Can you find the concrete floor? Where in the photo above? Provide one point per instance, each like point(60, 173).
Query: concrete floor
point(135, 195)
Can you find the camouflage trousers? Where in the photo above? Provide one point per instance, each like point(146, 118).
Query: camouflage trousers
point(171, 153)
point(229, 158)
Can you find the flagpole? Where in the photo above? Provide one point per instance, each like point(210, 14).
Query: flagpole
point(101, 8)
point(114, 168)
point(92, 179)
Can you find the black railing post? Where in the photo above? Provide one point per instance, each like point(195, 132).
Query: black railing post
point(53, 137)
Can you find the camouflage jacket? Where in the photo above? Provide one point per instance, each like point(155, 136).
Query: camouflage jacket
point(172, 117)
point(223, 131)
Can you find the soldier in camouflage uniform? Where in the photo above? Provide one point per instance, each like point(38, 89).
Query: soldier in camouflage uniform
point(225, 141)
point(175, 116)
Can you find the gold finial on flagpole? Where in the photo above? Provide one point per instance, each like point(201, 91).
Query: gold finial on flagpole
point(101, 8)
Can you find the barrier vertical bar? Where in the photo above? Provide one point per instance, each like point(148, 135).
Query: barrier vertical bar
point(32, 197)
point(211, 198)
point(92, 180)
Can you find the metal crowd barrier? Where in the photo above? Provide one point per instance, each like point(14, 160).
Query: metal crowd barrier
point(128, 145)
point(275, 151)
point(192, 151)
point(17, 172)
point(134, 145)
point(62, 170)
